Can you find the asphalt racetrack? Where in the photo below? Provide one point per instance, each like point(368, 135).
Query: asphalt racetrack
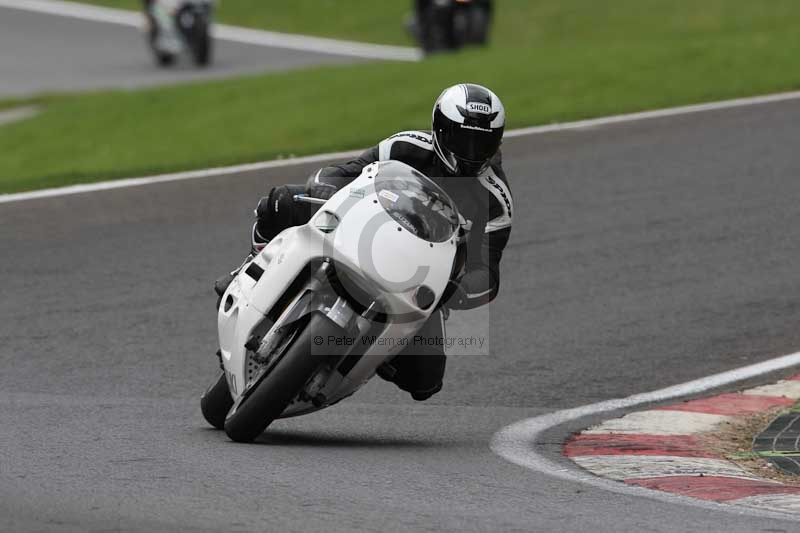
point(41, 52)
point(643, 255)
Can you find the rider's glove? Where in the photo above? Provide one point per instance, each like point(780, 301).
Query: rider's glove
point(278, 211)
point(257, 241)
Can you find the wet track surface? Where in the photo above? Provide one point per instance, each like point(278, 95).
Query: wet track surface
point(643, 255)
point(43, 53)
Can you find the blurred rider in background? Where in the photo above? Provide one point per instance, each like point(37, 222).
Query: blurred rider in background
point(441, 25)
point(462, 155)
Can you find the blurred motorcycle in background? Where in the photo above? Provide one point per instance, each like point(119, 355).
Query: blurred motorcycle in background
point(177, 27)
point(441, 25)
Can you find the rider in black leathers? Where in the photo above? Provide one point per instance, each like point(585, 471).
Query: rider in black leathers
point(438, 27)
point(462, 155)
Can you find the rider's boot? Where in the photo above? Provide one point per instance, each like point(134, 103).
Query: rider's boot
point(257, 243)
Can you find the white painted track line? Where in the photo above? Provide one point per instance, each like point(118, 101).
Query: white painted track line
point(517, 443)
point(164, 178)
point(18, 113)
point(316, 44)
point(789, 389)
point(536, 130)
point(658, 113)
point(121, 17)
point(305, 43)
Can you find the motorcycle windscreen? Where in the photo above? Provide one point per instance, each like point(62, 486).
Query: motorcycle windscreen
point(416, 203)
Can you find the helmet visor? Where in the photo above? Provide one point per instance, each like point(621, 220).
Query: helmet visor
point(469, 149)
point(465, 167)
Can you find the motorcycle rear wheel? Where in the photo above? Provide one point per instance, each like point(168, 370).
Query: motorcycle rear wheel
point(216, 402)
point(164, 59)
point(478, 20)
point(436, 28)
point(265, 400)
point(201, 45)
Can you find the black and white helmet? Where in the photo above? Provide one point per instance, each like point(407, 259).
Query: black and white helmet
point(468, 125)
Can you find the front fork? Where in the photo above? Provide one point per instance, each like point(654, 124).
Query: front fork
point(315, 297)
point(269, 341)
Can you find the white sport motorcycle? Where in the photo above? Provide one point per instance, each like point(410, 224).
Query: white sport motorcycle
point(308, 320)
point(176, 27)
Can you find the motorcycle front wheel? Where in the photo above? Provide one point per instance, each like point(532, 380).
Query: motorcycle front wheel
point(264, 401)
point(163, 59)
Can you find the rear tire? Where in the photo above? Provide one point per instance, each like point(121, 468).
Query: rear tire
point(265, 400)
point(216, 402)
point(478, 25)
point(436, 29)
point(164, 60)
point(201, 45)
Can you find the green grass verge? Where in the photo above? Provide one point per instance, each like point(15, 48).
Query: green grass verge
point(377, 21)
point(549, 62)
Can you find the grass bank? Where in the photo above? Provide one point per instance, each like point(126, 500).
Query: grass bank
point(549, 61)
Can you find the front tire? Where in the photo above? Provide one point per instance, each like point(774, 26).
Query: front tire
point(216, 402)
point(163, 59)
point(265, 400)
